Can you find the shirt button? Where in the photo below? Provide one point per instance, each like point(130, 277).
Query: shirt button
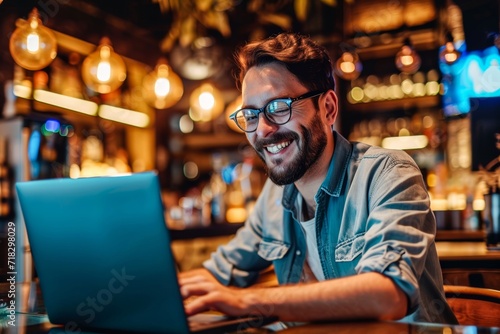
point(298, 252)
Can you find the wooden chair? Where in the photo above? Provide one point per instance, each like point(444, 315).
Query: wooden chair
point(474, 306)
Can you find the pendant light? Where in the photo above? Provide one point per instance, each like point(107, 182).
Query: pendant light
point(162, 87)
point(103, 71)
point(348, 66)
point(32, 45)
point(407, 59)
point(449, 54)
point(206, 103)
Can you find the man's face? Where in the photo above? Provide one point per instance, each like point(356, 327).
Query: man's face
point(291, 149)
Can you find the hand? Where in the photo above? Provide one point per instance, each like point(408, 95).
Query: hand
point(211, 295)
point(197, 272)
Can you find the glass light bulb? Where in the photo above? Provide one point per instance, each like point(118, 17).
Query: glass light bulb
point(32, 45)
point(206, 100)
point(206, 103)
point(407, 60)
point(449, 54)
point(104, 71)
point(162, 88)
point(348, 66)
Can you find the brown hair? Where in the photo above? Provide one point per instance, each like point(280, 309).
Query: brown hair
point(304, 58)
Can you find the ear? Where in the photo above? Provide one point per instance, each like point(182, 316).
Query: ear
point(331, 105)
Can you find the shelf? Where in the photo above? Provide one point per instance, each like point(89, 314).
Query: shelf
point(202, 141)
point(388, 105)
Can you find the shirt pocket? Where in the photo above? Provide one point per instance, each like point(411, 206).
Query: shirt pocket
point(272, 250)
point(350, 249)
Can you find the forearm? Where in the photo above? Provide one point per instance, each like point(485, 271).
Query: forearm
point(365, 296)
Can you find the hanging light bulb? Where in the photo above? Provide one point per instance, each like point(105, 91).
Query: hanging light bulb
point(162, 88)
point(407, 59)
point(103, 71)
point(32, 45)
point(348, 66)
point(206, 103)
point(449, 54)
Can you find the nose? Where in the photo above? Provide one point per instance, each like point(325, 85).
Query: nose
point(265, 127)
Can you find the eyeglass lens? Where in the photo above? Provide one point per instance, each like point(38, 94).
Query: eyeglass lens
point(277, 112)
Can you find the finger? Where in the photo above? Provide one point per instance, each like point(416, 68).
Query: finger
point(196, 289)
point(197, 305)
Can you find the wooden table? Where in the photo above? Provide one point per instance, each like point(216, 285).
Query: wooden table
point(469, 263)
point(38, 324)
point(467, 253)
point(385, 327)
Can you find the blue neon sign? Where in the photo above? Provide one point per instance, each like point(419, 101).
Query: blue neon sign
point(476, 74)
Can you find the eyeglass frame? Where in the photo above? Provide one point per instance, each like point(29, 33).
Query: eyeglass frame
point(288, 101)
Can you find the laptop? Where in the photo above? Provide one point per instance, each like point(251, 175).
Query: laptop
point(101, 250)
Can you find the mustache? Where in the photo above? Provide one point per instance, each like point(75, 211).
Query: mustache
point(275, 138)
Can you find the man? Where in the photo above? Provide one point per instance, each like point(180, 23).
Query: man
point(347, 226)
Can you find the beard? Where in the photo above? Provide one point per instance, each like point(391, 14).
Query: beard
point(314, 143)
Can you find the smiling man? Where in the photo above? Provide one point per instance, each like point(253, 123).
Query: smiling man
point(346, 226)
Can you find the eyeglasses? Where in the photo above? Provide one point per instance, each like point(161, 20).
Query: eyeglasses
point(278, 111)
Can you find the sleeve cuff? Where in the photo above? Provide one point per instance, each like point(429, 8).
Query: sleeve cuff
point(392, 264)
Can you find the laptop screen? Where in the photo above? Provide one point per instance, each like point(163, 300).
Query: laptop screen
point(102, 253)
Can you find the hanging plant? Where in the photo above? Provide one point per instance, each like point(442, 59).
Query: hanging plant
point(192, 18)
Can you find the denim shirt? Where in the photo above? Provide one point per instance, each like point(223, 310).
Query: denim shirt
point(372, 215)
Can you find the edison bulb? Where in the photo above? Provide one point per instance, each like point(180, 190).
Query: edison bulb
point(162, 88)
point(449, 54)
point(348, 66)
point(407, 60)
point(104, 71)
point(32, 45)
point(206, 103)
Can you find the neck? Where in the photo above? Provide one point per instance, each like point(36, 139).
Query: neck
point(308, 211)
point(310, 183)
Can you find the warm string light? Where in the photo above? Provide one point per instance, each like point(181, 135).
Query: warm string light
point(32, 45)
point(394, 87)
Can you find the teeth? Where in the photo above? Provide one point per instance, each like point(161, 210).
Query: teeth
point(276, 148)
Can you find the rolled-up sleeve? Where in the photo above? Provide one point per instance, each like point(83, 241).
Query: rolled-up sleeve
point(400, 227)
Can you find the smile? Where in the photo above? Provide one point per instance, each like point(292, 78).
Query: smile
point(277, 147)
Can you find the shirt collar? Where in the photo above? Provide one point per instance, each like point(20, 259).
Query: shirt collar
point(335, 177)
point(337, 171)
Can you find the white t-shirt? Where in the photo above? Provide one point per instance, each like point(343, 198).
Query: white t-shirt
point(313, 262)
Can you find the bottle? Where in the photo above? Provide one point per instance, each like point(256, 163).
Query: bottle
point(5, 182)
point(491, 218)
point(217, 191)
